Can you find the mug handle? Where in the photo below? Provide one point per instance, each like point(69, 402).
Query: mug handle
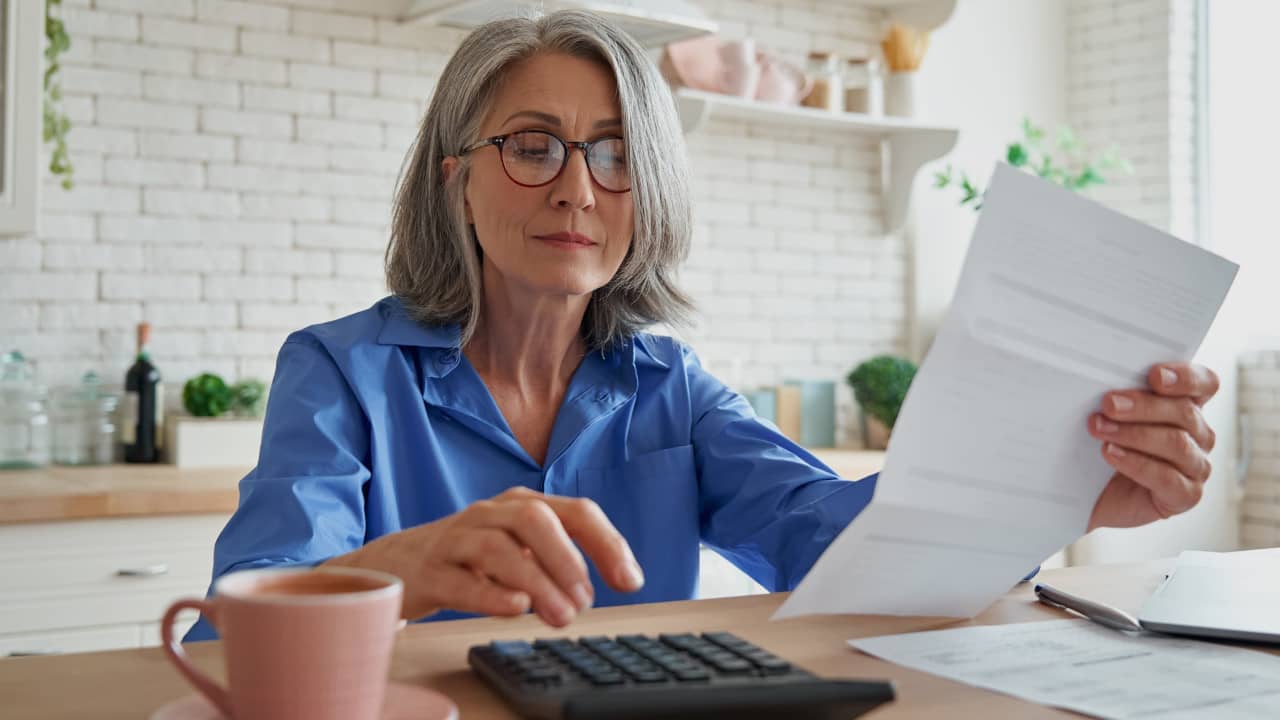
point(173, 650)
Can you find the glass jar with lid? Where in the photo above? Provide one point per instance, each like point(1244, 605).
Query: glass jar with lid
point(863, 86)
point(24, 416)
point(824, 68)
point(84, 423)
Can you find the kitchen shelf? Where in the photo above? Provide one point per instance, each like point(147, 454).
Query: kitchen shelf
point(653, 23)
point(920, 14)
point(908, 144)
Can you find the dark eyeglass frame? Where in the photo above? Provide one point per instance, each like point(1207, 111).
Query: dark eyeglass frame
point(585, 147)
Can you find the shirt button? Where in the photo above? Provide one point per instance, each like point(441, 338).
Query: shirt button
point(450, 358)
point(602, 395)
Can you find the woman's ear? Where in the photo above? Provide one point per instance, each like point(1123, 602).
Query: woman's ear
point(449, 166)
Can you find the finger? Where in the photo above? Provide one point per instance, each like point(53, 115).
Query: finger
point(587, 524)
point(1164, 442)
point(494, 552)
point(1184, 380)
point(1171, 491)
point(1137, 406)
point(536, 526)
point(460, 589)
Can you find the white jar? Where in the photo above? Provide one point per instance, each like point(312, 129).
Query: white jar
point(863, 87)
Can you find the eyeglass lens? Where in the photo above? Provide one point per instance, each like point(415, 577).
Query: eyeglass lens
point(535, 158)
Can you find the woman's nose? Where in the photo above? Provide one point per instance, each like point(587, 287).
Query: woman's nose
point(573, 189)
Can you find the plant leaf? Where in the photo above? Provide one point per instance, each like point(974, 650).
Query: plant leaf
point(1016, 155)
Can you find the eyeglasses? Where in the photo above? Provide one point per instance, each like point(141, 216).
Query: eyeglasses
point(534, 158)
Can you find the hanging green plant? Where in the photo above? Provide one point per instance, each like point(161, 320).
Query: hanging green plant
point(56, 122)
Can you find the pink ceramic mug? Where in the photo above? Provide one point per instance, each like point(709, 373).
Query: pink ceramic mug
point(781, 82)
point(297, 642)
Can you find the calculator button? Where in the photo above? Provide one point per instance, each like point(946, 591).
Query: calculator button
point(511, 648)
point(728, 640)
point(560, 644)
point(732, 666)
point(607, 678)
point(692, 675)
point(681, 640)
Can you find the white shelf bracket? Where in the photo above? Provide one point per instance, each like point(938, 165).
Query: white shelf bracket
point(694, 112)
point(907, 154)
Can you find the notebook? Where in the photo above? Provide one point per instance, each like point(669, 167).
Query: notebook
point(1233, 596)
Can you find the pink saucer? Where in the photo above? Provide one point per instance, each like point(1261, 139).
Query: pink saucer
point(404, 702)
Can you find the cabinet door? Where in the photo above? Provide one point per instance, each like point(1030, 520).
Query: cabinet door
point(113, 637)
point(96, 573)
point(21, 34)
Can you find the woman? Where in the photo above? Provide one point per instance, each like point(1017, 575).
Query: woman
point(504, 404)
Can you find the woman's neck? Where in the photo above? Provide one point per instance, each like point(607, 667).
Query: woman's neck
point(527, 341)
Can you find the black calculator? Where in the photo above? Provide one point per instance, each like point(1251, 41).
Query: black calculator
point(679, 676)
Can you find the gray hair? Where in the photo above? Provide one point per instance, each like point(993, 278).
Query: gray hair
point(433, 259)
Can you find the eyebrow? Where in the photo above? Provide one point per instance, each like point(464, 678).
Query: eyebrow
point(550, 119)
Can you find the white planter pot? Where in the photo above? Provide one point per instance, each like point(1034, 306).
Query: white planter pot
point(195, 442)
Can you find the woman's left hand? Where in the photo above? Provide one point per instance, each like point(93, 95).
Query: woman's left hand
point(1158, 442)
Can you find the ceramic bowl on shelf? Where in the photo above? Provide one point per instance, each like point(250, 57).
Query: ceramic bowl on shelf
point(735, 68)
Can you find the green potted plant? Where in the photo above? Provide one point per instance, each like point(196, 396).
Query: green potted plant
point(880, 385)
point(222, 427)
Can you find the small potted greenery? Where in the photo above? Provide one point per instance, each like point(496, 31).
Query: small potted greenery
point(223, 426)
point(880, 385)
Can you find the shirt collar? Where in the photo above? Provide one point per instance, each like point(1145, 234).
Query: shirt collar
point(400, 329)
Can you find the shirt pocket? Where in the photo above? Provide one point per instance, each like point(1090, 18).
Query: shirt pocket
point(653, 501)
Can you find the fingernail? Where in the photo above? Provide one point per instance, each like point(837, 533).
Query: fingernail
point(582, 596)
point(1168, 377)
point(1106, 426)
point(1120, 403)
point(1115, 450)
point(635, 578)
point(563, 612)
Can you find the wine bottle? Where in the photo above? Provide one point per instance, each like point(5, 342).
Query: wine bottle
point(143, 410)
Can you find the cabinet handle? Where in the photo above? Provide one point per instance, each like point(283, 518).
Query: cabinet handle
point(144, 570)
point(33, 653)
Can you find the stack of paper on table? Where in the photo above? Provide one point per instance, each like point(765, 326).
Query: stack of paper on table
point(1082, 666)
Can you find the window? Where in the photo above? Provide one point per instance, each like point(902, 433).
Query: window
point(21, 31)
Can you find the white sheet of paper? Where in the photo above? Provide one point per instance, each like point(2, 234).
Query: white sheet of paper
point(990, 469)
point(1082, 666)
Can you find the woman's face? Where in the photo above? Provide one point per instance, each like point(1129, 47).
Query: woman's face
point(570, 236)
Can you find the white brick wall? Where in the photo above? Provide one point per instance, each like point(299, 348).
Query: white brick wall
point(1131, 85)
point(236, 162)
point(1260, 409)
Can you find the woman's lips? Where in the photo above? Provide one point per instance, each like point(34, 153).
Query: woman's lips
point(567, 240)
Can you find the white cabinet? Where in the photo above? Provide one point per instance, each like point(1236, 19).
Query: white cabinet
point(717, 577)
point(99, 584)
point(21, 32)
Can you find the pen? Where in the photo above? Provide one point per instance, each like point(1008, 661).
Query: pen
point(1106, 615)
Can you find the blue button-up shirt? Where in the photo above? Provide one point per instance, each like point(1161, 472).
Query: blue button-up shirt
point(377, 423)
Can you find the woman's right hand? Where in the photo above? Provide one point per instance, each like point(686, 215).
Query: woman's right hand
point(505, 556)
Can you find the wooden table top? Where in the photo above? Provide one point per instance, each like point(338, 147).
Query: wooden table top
point(133, 683)
point(75, 493)
point(103, 491)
